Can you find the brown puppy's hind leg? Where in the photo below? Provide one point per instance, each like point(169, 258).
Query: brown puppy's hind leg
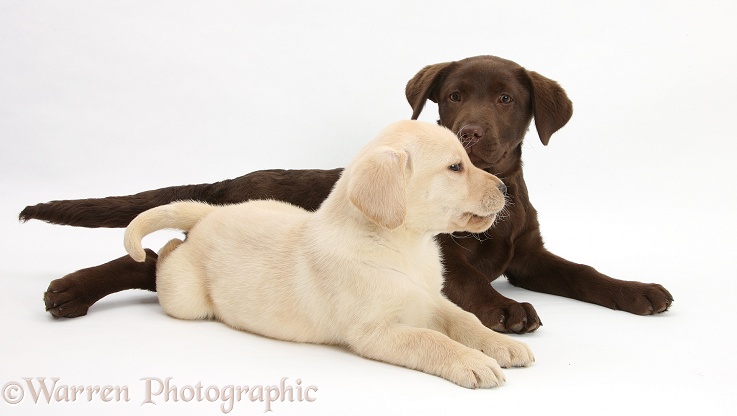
point(72, 295)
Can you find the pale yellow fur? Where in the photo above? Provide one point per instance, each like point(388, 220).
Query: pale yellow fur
point(363, 271)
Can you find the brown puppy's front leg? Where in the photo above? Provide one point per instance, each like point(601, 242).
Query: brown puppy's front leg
point(471, 290)
point(72, 295)
point(545, 272)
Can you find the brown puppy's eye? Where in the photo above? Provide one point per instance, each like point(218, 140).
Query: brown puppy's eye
point(455, 96)
point(456, 167)
point(505, 99)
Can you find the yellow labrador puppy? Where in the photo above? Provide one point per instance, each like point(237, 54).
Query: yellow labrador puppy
point(362, 271)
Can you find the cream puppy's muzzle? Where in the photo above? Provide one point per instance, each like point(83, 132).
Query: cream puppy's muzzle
point(485, 200)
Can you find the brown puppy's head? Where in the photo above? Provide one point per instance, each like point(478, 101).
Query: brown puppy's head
point(489, 103)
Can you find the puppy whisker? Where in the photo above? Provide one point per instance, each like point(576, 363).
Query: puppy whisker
point(480, 237)
point(466, 141)
point(454, 236)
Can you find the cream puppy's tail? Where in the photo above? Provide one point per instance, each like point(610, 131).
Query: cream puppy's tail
point(178, 215)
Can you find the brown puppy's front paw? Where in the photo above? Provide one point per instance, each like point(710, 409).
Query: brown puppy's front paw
point(642, 298)
point(65, 298)
point(517, 318)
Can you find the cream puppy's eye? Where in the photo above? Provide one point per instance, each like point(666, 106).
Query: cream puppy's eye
point(456, 167)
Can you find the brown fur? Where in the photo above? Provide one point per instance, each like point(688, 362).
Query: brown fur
point(490, 103)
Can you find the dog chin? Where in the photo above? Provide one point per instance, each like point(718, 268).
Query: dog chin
point(479, 162)
point(473, 223)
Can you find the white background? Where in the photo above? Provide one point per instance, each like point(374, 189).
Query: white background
point(111, 98)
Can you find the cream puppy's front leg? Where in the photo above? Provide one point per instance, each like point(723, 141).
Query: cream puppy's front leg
point(466, 328)
point(428, 351)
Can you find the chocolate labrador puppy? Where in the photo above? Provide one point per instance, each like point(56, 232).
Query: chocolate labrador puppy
point(489, 102)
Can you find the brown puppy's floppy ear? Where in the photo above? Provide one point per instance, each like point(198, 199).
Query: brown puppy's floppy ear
point(551, 107)
point(423, 86)
point(377, 186)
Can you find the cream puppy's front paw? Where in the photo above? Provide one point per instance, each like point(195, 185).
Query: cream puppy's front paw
point(474, 370)
point(507, 351)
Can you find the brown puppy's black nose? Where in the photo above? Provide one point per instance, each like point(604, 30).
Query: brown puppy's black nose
point(503, 188)
point(471, 132)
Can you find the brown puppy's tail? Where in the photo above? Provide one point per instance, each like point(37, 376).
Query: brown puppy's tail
point(118, 211)
point(304, 188)
point(179, 215)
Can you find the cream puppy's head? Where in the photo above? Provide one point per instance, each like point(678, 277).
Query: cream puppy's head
point(419, 176)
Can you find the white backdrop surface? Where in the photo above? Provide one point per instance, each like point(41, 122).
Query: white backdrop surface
point(112, 98)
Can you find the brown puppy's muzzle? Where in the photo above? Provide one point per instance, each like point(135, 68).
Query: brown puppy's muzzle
point(482, 146)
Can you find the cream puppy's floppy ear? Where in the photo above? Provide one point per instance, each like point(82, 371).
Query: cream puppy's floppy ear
point(377, 186)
